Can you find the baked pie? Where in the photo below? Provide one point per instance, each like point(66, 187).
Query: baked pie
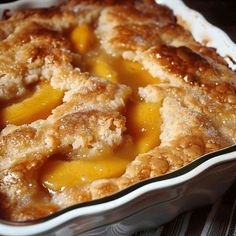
point(99, 95)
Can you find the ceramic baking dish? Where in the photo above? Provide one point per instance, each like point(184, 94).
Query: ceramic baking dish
point(155, 201)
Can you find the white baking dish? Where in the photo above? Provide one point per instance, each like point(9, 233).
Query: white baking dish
point(154, 201)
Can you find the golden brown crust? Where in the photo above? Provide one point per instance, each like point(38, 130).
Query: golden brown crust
point(198, 85)
point(33, 211)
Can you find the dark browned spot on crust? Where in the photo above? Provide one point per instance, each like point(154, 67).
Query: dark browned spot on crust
point(130, 36)
point(191, 67)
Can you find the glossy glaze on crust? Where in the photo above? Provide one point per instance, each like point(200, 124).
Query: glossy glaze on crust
point(198, 98)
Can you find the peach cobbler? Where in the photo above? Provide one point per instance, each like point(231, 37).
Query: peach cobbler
point(99, 95)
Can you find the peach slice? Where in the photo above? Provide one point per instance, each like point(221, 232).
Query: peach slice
point(143, 122)
point(133, 74)
point(103, 69)
point(83, 38)
point(57, 174)
point(38, 106)
point(122, 71)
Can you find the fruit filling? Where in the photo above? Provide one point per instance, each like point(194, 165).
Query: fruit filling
point(37, 106)
point(142, 119)
point(58, 174)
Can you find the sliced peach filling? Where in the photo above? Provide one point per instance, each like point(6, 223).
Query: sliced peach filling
point(143, 124)
point(82, 38)
point(143, 119)
point(45, 98)
point(58, 174)
point(38, 106)
point(119, 70)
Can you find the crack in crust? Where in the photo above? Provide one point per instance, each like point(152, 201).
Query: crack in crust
point(33, 47)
